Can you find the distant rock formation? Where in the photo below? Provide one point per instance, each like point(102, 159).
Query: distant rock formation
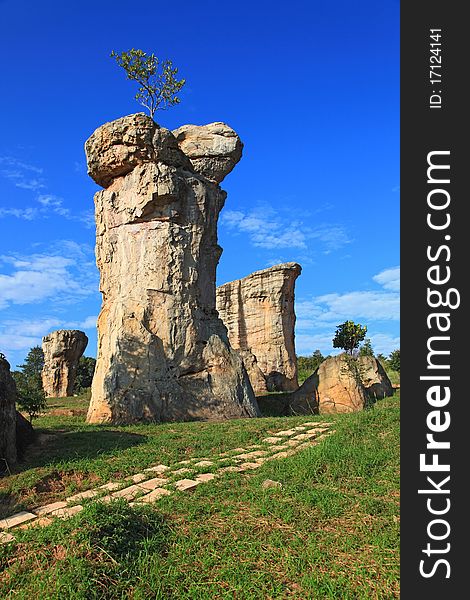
point(8, 454)
point(258, 312)
point(62, 351)
point(163, 352)
point(341, 384)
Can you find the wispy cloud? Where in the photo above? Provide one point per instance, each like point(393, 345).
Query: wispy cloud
point(21, 174)
point(61, 277)
point(267, 228)
point(318, 317)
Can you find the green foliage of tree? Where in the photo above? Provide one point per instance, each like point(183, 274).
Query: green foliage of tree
point(157, 79)
point(306, 365)
point(394, 360)
point(31, 397)
point(349, 335)
point(366, 348)
point(84, 375)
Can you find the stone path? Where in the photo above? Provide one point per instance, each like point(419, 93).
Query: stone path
point(161, 480)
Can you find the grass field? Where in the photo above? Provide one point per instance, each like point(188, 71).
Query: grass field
point(331, 531)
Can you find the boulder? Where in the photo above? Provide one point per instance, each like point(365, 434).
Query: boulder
point(213, 149)
point(163, 352)
point(258, 312)
point(8, 453)
point(374, 378)
point(62, 351)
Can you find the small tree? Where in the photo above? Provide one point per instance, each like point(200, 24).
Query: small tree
point(366, 348)
point(31, 397)
point(394, 360)
point(349, 335)
point(85, 372)
point(157, 79)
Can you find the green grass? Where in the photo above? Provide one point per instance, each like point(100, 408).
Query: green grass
point(331, 531)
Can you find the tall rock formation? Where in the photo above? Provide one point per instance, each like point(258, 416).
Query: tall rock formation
point(8, 453)
point(258, 312)
point(62, 351)
point(163, 353)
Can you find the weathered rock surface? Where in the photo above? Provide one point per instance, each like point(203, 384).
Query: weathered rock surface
point(62, 351)
point(213, 149)
point(8, 454)
point(341, 384)
point(374, 378)
point(163, 353)
point(258, 312)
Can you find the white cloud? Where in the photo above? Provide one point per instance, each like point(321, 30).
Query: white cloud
point(266, 228)
point(19, 173)
point(389, 279)
point(39, 277)
point(318, 317)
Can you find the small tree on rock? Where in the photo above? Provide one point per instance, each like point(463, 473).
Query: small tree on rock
point(157, 79)
point(366, 348)
point(349, 335)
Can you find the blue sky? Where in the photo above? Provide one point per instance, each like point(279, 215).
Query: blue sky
point(312, 88)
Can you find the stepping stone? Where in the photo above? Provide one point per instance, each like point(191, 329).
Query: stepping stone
point(307, 445)
point(272, 440)
point(314, 424)
point(204, 463)
point(48, 508)
point(284, 446)
point(238, 450)
point(182, 471)
point(287, 432)
point(292, 442)
point(269, 483)
point(152, 496)
point(111, 486)
point(249, 465)
point(41, 522)
point(83, 495)
point(128, 493)
point(304, 436)
point(315, 430)
point(255, 446)
point(203, 477)
point(65, 513)
point(280, 455)
point(229, 470)
point(16, 519)
point(157, 469)
point(299, 428)
point(151, 484)
point(138, 477)
point(184, 485)
point(251, 454)
point(6, 537)
point(184, 462)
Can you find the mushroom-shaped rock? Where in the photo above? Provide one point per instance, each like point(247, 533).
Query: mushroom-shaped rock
point(163, 352)
point(62, 351)
point(213, 149)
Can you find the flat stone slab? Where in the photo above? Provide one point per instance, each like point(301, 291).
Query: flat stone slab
point(83, 495)
point(111, 486)
point(251, 454)
point(138, 477)
point(182, 471)
point(230, 470)
point(5, 537)
point(304, 436)
point(49, 508)
point(286, 432)
point(203, 477)
point(153, 495)
point(128, 493)
point(280, 455)
point(272, 440)
point(41, 522)
point(299, 428)
point(292, 442)
point(154, 483)
point(204, 463)
point(184, 462)
point(65, 513)
point(250, 465)
point(157, 469)
point(184, 485)
point(16, 519)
